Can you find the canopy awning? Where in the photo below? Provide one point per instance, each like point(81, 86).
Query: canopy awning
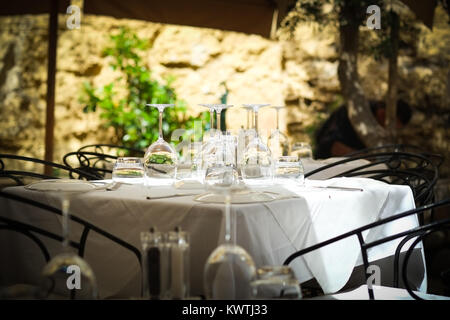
point(261, 17)
point(248, 16)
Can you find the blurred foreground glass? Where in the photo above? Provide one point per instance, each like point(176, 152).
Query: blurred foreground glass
point(66, 274)
point(161, 159)
point(128, 170)
point(275, 282)
point(179, 264)
point(229, 269)
point(289, 169)
point(301, 150)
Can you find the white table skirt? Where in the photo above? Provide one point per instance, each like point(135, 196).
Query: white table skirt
point(269, 231)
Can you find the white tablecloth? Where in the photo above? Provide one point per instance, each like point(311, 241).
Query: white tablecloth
point(269, 231)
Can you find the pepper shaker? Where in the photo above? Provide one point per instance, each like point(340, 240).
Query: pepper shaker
point(155, 261)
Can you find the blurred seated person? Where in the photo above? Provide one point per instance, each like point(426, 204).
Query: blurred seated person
point(337, 137)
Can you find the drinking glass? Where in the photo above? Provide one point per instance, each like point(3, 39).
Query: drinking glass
point(275, 282)
point(161, 159)
point(245, 136)
point(229, 269)
point(301, 150)
point(222, 169)
point(212, 148)
point(289, 169)
point(189, 172)
point(56, 273)
point(209, 143)
point(257, 162)
point(278, 142)
point(128, 170)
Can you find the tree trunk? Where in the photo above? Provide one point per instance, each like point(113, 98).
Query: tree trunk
point(358, 108)
point(391, 103)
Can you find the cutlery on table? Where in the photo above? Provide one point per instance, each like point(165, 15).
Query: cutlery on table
point(172, 196)
point(114, 186)
point(338, 188)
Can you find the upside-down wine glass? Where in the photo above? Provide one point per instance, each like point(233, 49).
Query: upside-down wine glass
point(229, 269)
point(161, 159)
point(66, 274)
point(257, 163)
point(210, 147)
point(221, 136)
point(278, 143)
point(211, 116)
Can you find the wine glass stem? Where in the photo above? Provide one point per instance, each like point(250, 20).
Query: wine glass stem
point(160, 124)
point(65, 222)
point(229, 233)
point(211, 122)
point(248, 111)
point(219, 112)
point(278, 119)
point(256, 122)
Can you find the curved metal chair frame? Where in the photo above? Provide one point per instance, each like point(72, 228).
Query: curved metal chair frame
point(419, 233)
point(33, 232)
point(412, 169)
point(92, 159)
point(99, 148)
point(437, 159)
point(17, 176)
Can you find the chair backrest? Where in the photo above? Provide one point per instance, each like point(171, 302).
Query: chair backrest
point(437, 159)
point(413, 169)
point(419, 233)
point(18, 176)
point(35, 233)
point(98, 159)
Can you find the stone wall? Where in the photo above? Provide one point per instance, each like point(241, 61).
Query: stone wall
point(300, 73)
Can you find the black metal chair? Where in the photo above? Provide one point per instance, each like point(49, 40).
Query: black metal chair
point(15, 176)
point(98, 159)
point(417, 171)
point(35, 233)
point(437, 159)
point(419, 233)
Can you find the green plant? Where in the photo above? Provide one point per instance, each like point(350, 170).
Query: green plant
point(123, 101)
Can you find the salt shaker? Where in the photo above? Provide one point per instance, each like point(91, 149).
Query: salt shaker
point(179, 264)
point(155, 266)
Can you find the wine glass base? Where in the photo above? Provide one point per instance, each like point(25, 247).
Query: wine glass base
point(229, 271)
point(68, 276)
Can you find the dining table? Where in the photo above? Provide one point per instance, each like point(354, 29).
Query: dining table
point(292, 218)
